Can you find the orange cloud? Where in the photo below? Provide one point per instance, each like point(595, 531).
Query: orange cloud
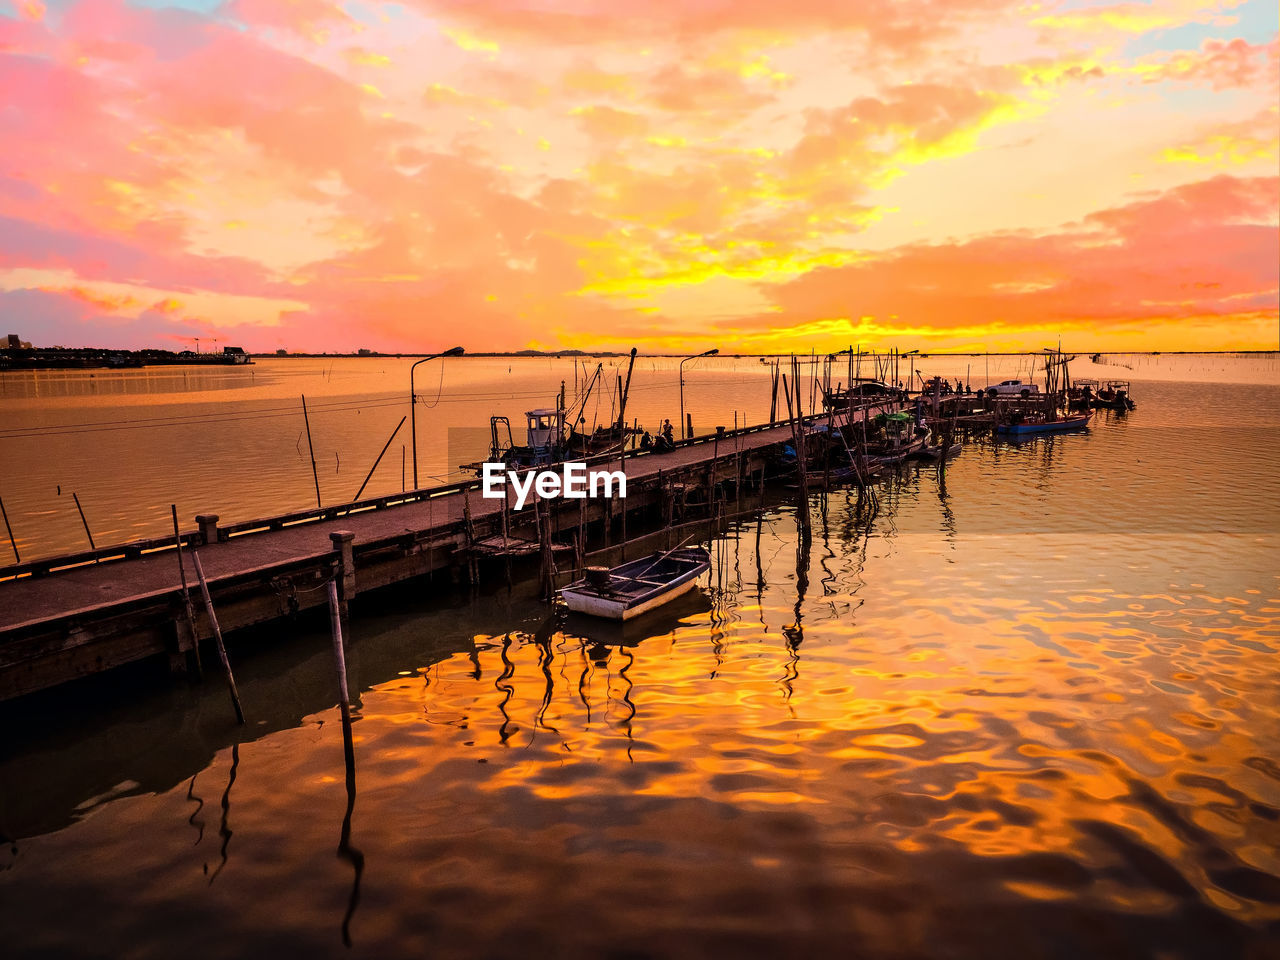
point(1205, 250)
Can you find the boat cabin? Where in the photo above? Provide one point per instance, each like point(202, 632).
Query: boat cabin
point(899, 428)
point(545, 430)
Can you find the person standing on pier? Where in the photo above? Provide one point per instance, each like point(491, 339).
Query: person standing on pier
point(668, 435)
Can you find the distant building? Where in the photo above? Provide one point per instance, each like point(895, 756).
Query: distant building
point(17, 343)
point(362, 352)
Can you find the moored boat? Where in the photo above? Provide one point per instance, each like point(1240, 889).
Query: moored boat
point(626, 591)
point(1114, 395)
point(899, 435)
point(1040, 424)
point(1082, 394)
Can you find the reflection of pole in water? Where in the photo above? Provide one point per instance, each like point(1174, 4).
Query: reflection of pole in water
point(628, 659)
point(545, 659)
point(795, 632)
point(829, 576)
point(199, 802)
point(759, 565)
point(944, 498)
point(224, 829)
point(345, 850)
point(717, 644)
point(508, 671)
point(584, 678)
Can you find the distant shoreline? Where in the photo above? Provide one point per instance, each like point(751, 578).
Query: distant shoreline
point(91, 358)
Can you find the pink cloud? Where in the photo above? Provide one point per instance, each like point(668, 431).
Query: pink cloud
point(1223, 64)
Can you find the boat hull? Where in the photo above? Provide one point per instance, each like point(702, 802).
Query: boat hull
point(1053, 426)
point(637, 587)
point(597, 606)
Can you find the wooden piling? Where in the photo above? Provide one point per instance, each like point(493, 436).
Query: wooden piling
point(345, 850)
point(339, 652)
point(773, 403)
point(546, 570)
point(711, 471)
point(622, 465)
point(217, 636)
point(473, 565)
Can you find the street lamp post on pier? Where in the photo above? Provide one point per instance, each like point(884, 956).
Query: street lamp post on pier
point(708, 353)
point(413, 404)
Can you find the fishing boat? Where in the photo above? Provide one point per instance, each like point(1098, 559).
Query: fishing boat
point(863, 392)
point(1040, 424)
point(1082, 394)
point(556, 434)
point(1114, 395)
point(544, 440)
point(898, 436)
point(626, 591)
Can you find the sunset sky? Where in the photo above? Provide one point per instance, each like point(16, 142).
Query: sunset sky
point(753, 175)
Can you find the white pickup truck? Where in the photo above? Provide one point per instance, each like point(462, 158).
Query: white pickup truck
point(1012, 388)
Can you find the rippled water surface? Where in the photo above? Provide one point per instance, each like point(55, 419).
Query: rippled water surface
point(1030, 710)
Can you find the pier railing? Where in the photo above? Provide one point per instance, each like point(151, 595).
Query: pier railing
point(210, 531)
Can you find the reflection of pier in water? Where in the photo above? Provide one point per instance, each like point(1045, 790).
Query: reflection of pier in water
point(168, 736)
point(66, 617)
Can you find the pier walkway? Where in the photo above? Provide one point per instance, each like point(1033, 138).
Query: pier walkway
point(69, 616)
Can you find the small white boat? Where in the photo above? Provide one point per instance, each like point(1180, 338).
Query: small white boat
point(633, 588)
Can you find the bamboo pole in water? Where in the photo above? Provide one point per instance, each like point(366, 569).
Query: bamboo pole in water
point(87, 532)
point(186, 593)
point(12, 542)
point(379, 460)
point(217, 636)
point(311, 449)
point(797, 439)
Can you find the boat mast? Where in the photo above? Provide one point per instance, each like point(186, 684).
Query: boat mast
point(622, 406)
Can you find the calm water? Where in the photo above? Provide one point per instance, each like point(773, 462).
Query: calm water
point(232, 441)
point(1030, 711)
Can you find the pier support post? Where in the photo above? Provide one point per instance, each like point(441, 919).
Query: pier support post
point(346, 571)
point(182, 647)
point(208, 523)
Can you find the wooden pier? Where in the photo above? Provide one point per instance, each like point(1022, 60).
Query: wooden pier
point(71, 616)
